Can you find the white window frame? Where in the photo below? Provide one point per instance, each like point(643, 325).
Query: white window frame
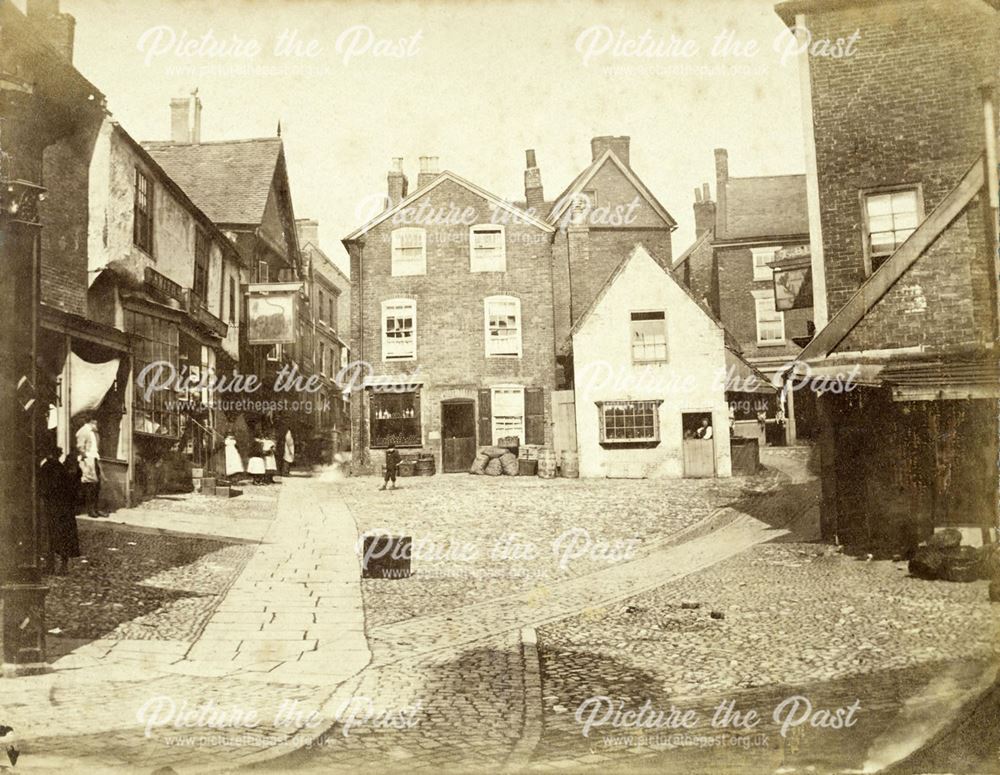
point(409, 265)
point(760, 258)
point(494, 262)
point(627, 404)
point(866, 195)
point(388, 305)
point(498, 432)
point(632, 344)
point(489, 342)
point(768, 296)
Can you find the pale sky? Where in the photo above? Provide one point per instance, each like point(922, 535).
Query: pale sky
point(481, 82)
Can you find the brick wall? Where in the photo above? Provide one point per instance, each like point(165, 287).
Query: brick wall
point(903, 109)
point(941, 302)
point(65, 215)
point(738, 310)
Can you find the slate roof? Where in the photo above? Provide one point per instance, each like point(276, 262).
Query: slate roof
point(229, 180)
point(772, 206)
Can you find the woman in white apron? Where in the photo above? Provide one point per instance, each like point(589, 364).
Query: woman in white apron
point(255, 465)
point(234, 464)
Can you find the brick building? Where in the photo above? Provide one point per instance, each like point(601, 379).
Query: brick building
point(324, 343)
point(903, 248)
point(461, 302)
point(452, 319)
point(752, 223)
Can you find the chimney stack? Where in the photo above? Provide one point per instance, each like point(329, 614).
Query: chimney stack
point(428, 170)
point(618, 145)
point(534, 197)
point(308, 231)
point(57, 28)
point(398, 184)
point(704, 211)
point(185, 119)
point(721, 177)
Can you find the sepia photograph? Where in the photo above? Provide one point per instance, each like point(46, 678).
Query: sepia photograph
point(500, 386)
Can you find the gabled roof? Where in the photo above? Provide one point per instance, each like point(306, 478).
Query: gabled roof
point(230, 180)
point(613, 277)
point(886, 276)
point(581, 181)
point(706, 236)
point(768, 206)
point(449, 176)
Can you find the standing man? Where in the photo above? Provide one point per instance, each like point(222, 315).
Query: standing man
point(705, 431)
point(391, 462)
point(90, 466)
point(288, 454)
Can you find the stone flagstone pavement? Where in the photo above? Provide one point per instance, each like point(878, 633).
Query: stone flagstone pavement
point(290, 630)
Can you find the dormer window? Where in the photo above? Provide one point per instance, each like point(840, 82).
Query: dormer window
point(487, 249)
point(409, 252)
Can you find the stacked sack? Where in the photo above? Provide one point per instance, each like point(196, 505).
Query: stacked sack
point(494, 461)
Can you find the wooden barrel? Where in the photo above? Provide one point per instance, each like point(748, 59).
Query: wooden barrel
point(570, 464)
point(424, 467)
point(546, 462)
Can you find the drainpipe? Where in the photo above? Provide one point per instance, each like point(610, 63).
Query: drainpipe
point(993, 228)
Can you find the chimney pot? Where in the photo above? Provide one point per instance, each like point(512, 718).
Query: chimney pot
point(534, 195)
point(721, 164)
point(428, 170)
point(398, 184)
point(617, 145)
point(180, 128)
point(697, 195)
point(705, 195)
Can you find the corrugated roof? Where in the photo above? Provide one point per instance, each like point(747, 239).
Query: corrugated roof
point(935, 374)
point(772, 206)
point(229, 180)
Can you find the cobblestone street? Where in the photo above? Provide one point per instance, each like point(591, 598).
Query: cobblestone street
point(725, 598)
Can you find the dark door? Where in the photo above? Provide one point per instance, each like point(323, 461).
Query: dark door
point(458, 435)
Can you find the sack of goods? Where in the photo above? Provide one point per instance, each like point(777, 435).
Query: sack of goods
point(494, 467)
point(508, 463)
point(478, 466)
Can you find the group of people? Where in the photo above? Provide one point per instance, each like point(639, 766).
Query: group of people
point(262, 463)
point(62, 480)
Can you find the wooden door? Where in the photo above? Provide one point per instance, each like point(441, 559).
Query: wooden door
point(458, 435)
point(699, 457)
point(563, 421)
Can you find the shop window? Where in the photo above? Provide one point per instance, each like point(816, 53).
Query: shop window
point(624, 422)
point(395, 419)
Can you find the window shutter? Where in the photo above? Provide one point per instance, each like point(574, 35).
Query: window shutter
point(485, 417)
point(534, 415)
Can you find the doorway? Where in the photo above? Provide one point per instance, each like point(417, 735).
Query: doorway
point(458, 435)
point(699, 452)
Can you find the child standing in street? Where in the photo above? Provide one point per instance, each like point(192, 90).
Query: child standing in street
point(391, 461)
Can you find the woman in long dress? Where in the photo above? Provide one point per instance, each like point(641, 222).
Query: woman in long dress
point(255, 465)
point(234, 464)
